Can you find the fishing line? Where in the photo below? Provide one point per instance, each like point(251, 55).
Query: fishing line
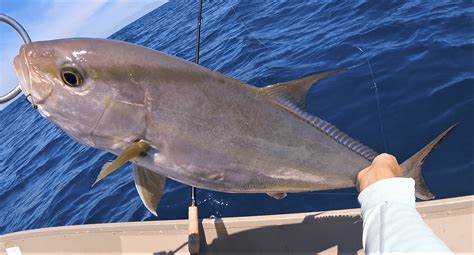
point(377, 96)
point(375, 87)
point(247, 29)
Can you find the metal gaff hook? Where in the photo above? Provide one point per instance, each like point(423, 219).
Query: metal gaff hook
point(26, 39)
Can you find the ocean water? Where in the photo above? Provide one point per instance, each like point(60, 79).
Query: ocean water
point(419, 81)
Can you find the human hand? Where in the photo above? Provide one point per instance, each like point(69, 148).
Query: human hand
point(383, 166)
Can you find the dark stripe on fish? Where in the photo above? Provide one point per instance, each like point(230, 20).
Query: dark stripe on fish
point(329, 129)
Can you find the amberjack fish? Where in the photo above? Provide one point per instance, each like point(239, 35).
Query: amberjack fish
point(172, 118)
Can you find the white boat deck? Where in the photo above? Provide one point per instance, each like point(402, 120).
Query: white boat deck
point(330, 232)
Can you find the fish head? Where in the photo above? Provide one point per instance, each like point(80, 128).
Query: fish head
point(79, 86)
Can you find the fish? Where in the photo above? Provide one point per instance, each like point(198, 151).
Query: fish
point(174, 119)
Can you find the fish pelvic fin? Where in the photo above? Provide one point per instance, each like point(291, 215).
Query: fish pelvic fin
point(412, 166)
point(295, 91)
point(131, 151)
point(150, 187)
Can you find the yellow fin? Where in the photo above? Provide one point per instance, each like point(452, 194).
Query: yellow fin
point(131, 151)
point(294, 92)
point(150, 186)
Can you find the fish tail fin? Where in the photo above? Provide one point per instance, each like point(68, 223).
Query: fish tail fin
point(412, 166)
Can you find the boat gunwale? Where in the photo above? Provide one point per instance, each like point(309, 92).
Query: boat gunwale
point(452, 206)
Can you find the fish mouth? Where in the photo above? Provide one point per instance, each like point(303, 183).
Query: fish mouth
point(32, 82)
point(22, 73)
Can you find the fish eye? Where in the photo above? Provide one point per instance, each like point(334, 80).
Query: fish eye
point(71, 77)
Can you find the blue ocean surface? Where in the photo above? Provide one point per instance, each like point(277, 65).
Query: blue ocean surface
point(411, 75)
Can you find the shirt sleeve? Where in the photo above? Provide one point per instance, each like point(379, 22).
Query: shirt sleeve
point(391, 222)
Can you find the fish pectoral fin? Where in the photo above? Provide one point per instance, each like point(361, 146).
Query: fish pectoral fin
point(131, 151)
point(150, 186)
point(106, 170)
point(294, 92)
point(277, 195)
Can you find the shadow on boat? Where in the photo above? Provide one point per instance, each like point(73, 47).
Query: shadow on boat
point(332, 232)
point(315, 234)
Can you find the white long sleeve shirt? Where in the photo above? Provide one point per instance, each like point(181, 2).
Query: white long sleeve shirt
point(391, 222)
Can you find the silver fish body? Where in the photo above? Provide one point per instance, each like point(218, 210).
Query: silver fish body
point(204, 128)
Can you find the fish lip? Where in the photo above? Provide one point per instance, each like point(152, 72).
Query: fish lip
point(24, 75)
point(20, 62)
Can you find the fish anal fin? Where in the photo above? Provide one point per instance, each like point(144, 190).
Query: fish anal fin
point(277, 195)
point(150, 186)
point(295, 91)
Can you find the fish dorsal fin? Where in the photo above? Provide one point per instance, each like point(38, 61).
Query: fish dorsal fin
point(293, 100)
point(150, 186)
point(133, 150)
point(295, 90)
